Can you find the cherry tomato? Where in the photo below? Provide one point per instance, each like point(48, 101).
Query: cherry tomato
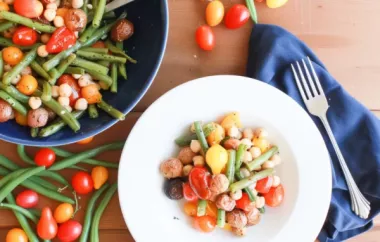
point(188, 193)
point(44, 157)
point(69, 231)
point(86, 141)
point(205, 37)
point(99, 175)
point(205, 223)
point(27, 199)
point(25, 36)
point(82, 183)
point(27, 85)
point(244, 203)
point(214, 13)
point(276, 3)
point(16, 235)
point(12, 55)
point(236, 16)
point(28, 8)
point(47, 227)
point(191, 209)
point(99, 44)
point(61, 40)
point(4, 7)
point(63, 212)
point(199, 180)
point(211, 209)
point(91, 94)
point(275, 196)
point(263, 185)
point(68, 79)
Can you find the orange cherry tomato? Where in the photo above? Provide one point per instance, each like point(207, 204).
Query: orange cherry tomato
point(16, 235)
point(62, 12)
point(205, 223)
point(27, 85)
point(263, 185)
point(91, 94)
point(99, 175)
point(28, 8)
point(12, 55)
point(63, 212)
point(99, 44)
point(21, 119)
point(4, 6)
point(85, 141)
point(47, 227)
point(275, 196)
point(190, 208)
point(188, 193)
point(211, 209)
point(214, 13)
point(205, 37)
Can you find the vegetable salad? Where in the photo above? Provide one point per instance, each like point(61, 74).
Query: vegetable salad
point(226, 175)
point(57, 58)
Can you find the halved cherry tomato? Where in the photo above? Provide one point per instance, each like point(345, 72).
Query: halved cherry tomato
point(205, 223)
point(244, 203)
point(28, 8)
point(47, 227)
point(25, 36)
point(44, 157)
point(16, 235)
point(68, 79)
point(69, 231)
point(199, 180)
point(236, 16)
point(263, 185)
point(275, 196)
point(61, 40)
point(91, 94)
point(190, 208)
point(12, 55)
point(211, 209)
point(205, 37)
point(99, 44)
point(85, 141)
point(63, 212)
point(82, 183)
point(27, 199)
point(188, 193)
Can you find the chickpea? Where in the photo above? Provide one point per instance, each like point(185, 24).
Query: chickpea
point(268, 164)
point(276, 181)
point(171, 168)
point(276, 159)
point(253, 217)
point(199, 160)
point(237, 219)
point(219, 184)
point(244, 172)
point(255, 152)
point(248, 133)
point(186, 170)
point(236, 195)
point(195, 146)
point(232, 144)
point(247, 157)
point(260, 202)
point(225, 202)
point(247, 143)
point(261, 133)
point(233, 132)
point(186, 155)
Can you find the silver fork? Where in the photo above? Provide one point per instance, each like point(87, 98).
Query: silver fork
point(317, 105)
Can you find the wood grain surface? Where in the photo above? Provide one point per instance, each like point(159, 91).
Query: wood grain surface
point(343, 33)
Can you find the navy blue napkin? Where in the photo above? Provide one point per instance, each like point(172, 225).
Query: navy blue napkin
point(271, 51)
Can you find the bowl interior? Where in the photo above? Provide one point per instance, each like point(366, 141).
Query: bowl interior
point(147, 46)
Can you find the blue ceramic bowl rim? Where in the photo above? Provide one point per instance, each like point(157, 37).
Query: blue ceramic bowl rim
point(38, 143)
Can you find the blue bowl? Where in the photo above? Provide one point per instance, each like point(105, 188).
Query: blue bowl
point(147, 46)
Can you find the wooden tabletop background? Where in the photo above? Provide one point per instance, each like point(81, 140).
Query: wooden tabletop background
point(343, 33)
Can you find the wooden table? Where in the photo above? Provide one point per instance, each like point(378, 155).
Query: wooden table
point(343, 33)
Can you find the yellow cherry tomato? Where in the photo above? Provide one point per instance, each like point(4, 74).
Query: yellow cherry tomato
point(232, 119)
point(276, 3)
point(16, 235)
point(227, 227)
point(216, 135)
point(214, 13)
point(63, 212)
point(190, 209)
point(99, 175)
point(27, 85)
point(12, 55)
point(85, 141)
point(263, 144)
point(21, 119)
point(216, 158)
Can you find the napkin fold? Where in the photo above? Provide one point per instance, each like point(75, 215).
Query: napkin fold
point(271, 51)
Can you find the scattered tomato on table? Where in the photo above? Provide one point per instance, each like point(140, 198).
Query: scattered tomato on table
point(99, 175)
point(82, 183)
point(205, 37)
point(86, 141)
point(63, 212)
point(16, 235)
point(214, 13)
point(69, 231)
point(27, 199)
point(236, 16)
point(47, 227)
point(44, 157)
point(276, 3)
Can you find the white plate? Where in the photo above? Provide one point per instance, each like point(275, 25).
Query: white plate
point(305, 171)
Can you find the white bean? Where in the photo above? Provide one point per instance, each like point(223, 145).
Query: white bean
point(55, 91)
point(50, 14)
point(247, 157)
point(276, 181)
point(42, 52)
point(268, 164)
point(247, 143)
point(58, 21)
point(198, 160)
point(233, 132)
point(261, 133)
point(81, 104)
point(64, 101)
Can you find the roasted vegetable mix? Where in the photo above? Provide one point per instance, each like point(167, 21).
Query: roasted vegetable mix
point(57, 59)
point(225, 173)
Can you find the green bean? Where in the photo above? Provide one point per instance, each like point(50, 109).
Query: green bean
point(54, 74)
point(121, 67)
point(21, 152)
point(73, 160)
point(6, 25)
point(53, 62)
point(1, 64)
point(202, 205)
point(221, 220)
point(239, 185)
point(87, 34)
point(230, 171)
point(77, 168)
point(90, 66)
point(22, 221)
point(252, 9)
point(11, 176)
point(66, 154)
point(19, 209)
point(99, 11)
point(185, 140)
point(95, 50)
point(93, 111)
point(104, 63)
point(27, 22)
point(46, 92)
point(39, 70)
point(201, 136)
point(262, 210)
point(34, 132)
point(114, 49)
point(89, 212)
point(14, 103)
point(99, 33)
point(62, 67)
point(107, 80)
point(262, 158)
point(99, 211)
point(13, 92)
point(250, 194)
point(28, 58)
point(100, 56)
point(43, 183)
point(74, 70)
point(7, 188)
point(57, 125)
point(6, 42)
point(114, 78)
point(111, 110)
point(35, 212)
point(239, 157)
point(84, 7)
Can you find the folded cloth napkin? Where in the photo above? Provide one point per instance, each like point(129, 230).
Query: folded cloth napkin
point(271, 51)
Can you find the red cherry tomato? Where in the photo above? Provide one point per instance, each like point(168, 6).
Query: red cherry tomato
point(27, 199)
point(68, 79)
point(236, 16)
point(69, 231)
point(24, 36)
point(245, 203)
point(263, 185)
point(188, 193)
point(199, 180)
point(82, 183)
point(61, 40)
point(205, 37)
point(28, 8)
point(204, 223)
point(44, 157)
point(275, 196)
point(47, 227)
